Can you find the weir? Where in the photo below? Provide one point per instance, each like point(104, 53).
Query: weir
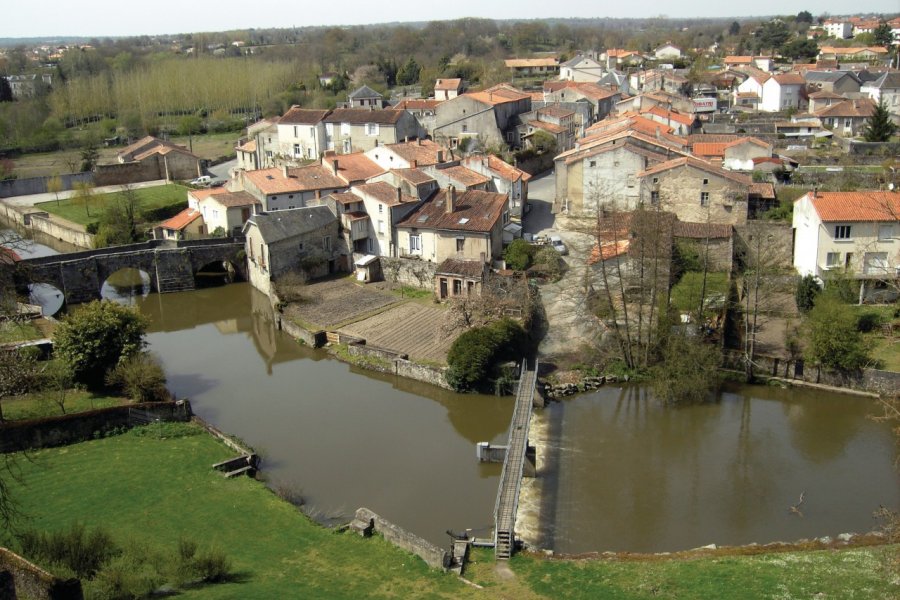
point(518, 462)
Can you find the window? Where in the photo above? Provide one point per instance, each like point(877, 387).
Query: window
point(875, 262)
point(371, 128)
point(415, 243)
point(457, 287)
point(832, 259)
point(704, 198)
point(297, 151)
point(326, 243)
point(380, 227)
point(380, 208)
point(505, 217)
point(460, 244)
point(454, 142)
point(296, 131)
point(465, 128)
point(655, 180)
point(706, 182)
point(654, 198)
point(300, 246)
point(593, 163)
point(262, 255)
point(885, 233)
point(842, 232)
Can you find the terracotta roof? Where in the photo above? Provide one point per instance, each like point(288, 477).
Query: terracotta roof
point(768, 159)
point(789, 79)
point(871, 205)
point(474, 211)
point(766, 191)
point(233, 199)
point(621, 53)
point(586, 89)
point(550, 127)
point(384, 192)
point(497, 165)
point(303, 116)
point(531, 62)
point(414, 176)
point(851, 51)
point(688, 229)
point(181, 220)
point(202, 194)
point(697, 164)
point(471, 269)
point(738, 60)
point(346, 198)
point(747, 140)
point(608, 250)
point(417, 104)
point(465, 176)
point(602, 144)
point(636, 122)
point(448, 84)
point(382, 116)
point(498, 94)
point(825, 95)
point(424, 152)
point(864, 107)
point(308, 178)
point(714, 138)
point(709, 149)
point(355, 167)
point(556, 111)
point(671, 115)
point(248, 146)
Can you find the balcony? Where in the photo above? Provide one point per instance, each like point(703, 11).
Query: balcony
point(357, 223)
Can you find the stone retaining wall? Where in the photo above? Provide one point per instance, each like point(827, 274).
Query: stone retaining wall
point(38, 185)
point(367, 522)
point(16, 436)
point(33, 219)
point(22, 579)
point(409, 271)
point(419, 372)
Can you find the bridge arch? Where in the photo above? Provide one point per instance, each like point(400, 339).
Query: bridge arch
point(125, 284)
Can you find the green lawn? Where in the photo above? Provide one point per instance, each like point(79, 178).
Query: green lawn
point(19, 331)
point(140, 487)
point(686, 293)
point(170, 195)
point(36, 405)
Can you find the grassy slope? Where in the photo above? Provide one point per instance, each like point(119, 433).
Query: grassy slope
point(19, 331)
point(149, 198)
point(33, 406)
point(164, 489)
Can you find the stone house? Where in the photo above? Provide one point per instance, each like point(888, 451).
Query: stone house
point(160, 159)
point(186, 225)
point(365, 97)
point(715, 241)
point(601, 98)
point(462, 226)
point(823, 99)
point(855, 232)
point(505, 179)
point(696, 191)
point(447, 89)
point(581, 68)
point(849, 118)
point(287, 188)
point(836, 82)
point(301, 133)
point(422, 109)
point(265, 146)
point(601, 172)
point(26, 86)
point(279, 242)
point(408, 154)
point(386, 205)
point(490, 115)
point(553, 120)
point(739, 154)
point(223, 209)
point(455, 278)
point(887, 89)
point(359, 129)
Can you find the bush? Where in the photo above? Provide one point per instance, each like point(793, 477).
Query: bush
point(518, 255)
point(807, 290)
point(832, 334)
point(140, 377)
point(547, 259)
point(475, 354)
point(869, 321)
point(84, 552)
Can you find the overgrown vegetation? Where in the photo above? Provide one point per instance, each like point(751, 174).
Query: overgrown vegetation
point(833, 336)
point(475, 354)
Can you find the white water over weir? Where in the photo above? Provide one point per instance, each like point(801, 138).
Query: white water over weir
point(518, 455)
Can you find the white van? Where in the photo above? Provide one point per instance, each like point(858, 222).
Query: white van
point(202, 181)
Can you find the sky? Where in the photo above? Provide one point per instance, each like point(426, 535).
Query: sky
point(106, 18)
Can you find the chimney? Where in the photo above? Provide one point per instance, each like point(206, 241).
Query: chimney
point(406, 139)
point(399, 194)
point(451, 198)
point(334, 167)
point(440, 156)
point(284, 171)
point(418, 141)
point(414, 164)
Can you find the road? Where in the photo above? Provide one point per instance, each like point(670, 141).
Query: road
point(220, 171)
point(570, 323)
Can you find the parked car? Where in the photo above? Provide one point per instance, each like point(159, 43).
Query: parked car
point(202, 181)
point(558, 245)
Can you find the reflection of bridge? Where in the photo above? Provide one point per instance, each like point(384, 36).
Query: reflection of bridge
point(171, 265)
point(518, 463)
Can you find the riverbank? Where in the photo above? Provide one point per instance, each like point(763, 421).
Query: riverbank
point(157, 490)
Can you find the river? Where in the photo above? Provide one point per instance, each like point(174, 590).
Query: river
point(617, 470)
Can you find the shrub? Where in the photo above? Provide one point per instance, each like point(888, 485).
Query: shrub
point(807, 290)
point(547, 259)
point(869, 321)
point(475, 354)
point(83, 551)
point(140, 377)
point(833, 338)
point(518, 255)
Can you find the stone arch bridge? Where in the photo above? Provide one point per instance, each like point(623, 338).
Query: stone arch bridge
point(171, 265)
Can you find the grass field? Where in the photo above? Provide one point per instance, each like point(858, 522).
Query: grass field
point(141, 487)
point(35, 405)
point(211, 145)
point(152, 197)
point(19, 331)
point(686, 293)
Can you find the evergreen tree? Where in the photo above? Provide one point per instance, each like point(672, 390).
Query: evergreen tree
point(409, 73)
point(883, 35)
point(880, 128)
point(6, 94)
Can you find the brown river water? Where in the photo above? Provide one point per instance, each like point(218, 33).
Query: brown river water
point(616, 470)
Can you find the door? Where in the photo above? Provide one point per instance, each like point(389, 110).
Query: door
point(443, 288)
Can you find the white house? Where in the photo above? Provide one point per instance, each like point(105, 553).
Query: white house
point(839, 29)
point(667, 51)
point(854, 231)
point(301, 133)
point(774, 93)
point(887, 89)
point(581, 68)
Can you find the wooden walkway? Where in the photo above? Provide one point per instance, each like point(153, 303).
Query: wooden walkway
point(513, 467)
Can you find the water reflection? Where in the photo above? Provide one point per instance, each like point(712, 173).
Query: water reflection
point(126, 285)
point(627, 474)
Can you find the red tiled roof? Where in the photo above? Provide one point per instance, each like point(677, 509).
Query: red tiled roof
point(414, 176)
point(248, 146)
point(766, 191)
point(863, 107)
point(498, 94)
point(474, 210)
point(697, 164)
point(790, 79)
point(417, 104)
point(383, 116)
point(424, 152)
point(308, 178)
point(448, 84)
point(531, 62)
point(303, 116)
point(608, 250)
point(671, 115)
point(471, 269)
point(384, 192)
point(465, 176)
point(747, 140)
point(870, 205)
point(181, 220)
point(709, 149)
point(355, 167)
point(232, 199)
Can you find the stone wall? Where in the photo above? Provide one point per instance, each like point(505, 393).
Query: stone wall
point(38, 185)
point(123, 173)
point(35, 220)
point(26, 580)
point(426, 373)
point(315, 339)
point(778, 244)
point(410, 271)
point(77, 427)
point(367, 522)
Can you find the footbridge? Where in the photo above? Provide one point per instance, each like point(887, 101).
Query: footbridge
point(518, 462)
point(171, 265)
